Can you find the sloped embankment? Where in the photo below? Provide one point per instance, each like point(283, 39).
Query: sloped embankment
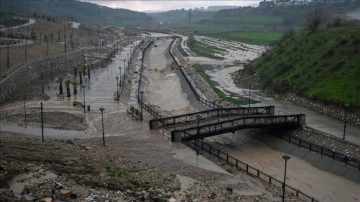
point(321, 65)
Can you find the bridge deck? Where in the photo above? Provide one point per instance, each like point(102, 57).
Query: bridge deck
point(237, 124)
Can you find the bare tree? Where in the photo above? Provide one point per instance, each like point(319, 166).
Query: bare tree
point(314, 18)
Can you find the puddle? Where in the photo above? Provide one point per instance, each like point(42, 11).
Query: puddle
point(18, 183)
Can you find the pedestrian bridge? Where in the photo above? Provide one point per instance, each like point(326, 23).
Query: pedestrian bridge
point(212, 129)
point(219, 114)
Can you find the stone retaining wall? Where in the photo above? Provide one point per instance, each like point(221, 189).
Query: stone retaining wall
point(326, 110)
point(29, 72)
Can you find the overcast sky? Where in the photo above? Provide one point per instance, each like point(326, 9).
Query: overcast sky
point(164, 5)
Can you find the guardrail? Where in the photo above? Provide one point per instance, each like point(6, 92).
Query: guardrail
point(239, 165)
point(212, 113)
point(237, 124)
point(336, 156)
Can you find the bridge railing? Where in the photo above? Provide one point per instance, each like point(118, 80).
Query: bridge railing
point(212, 113)
point(336, 156)
point(207, 130)
point(199, 145)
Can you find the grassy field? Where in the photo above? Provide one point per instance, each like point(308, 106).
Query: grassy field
point(255, 29)
point(321, 65)
point(202, 49)
point(179, 47)
point(219, 93)
point(258, 38)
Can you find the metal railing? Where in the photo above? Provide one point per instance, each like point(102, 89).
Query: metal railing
point(249, 170)
point(336, 156)
point(212, 113)
point(203, 131)
point(140, 101)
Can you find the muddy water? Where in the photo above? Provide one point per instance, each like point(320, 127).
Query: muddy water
point(18, 183)
point(164, 88)
point(222, 76)
point(322, 185)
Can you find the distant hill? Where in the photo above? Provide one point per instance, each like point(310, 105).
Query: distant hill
point(291, 16)
point(182, 16)
point(321, 65)
point(77, 11)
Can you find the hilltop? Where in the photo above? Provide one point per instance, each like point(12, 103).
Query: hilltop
point(322, 65)
point(77, 11)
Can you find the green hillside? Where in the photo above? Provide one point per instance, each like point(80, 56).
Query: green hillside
point(76, 11)
point(322, 65)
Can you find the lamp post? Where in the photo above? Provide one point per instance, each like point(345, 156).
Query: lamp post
point(346, 108)
point(120, 76)
point(102, 122)
point(249, 93)
point(24, 110)
point(128, 64)
point(141, 104)
point(42, 83)
point(198, 117)
point(83, 87)
point(125, 64)
point(129, 58)
point(286, 158)
point(42, 122)
point(117, 88)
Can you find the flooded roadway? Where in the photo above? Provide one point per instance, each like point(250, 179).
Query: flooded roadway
point(163, 82)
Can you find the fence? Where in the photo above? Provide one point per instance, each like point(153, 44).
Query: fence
point(239, 165)
point(140, 101)
point(336, 156)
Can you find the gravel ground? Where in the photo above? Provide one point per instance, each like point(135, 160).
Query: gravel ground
point(86, 171)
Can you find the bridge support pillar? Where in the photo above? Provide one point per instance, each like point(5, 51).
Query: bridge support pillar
point(176, 136)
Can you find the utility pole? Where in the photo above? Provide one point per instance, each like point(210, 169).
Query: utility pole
point(27, 35)
point(42, 83)
point(47, 46)
point(8, 57)
point(190, 15)
point(141, 103)
point(42, 122)
point(346, 108)
point(249, 94)
point(24, 110)
point(65, 39)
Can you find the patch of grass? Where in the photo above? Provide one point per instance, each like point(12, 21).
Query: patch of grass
point(181, 50)
point(128, 177)
point(204, 50)
point(258, 38)
point(219, 93)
